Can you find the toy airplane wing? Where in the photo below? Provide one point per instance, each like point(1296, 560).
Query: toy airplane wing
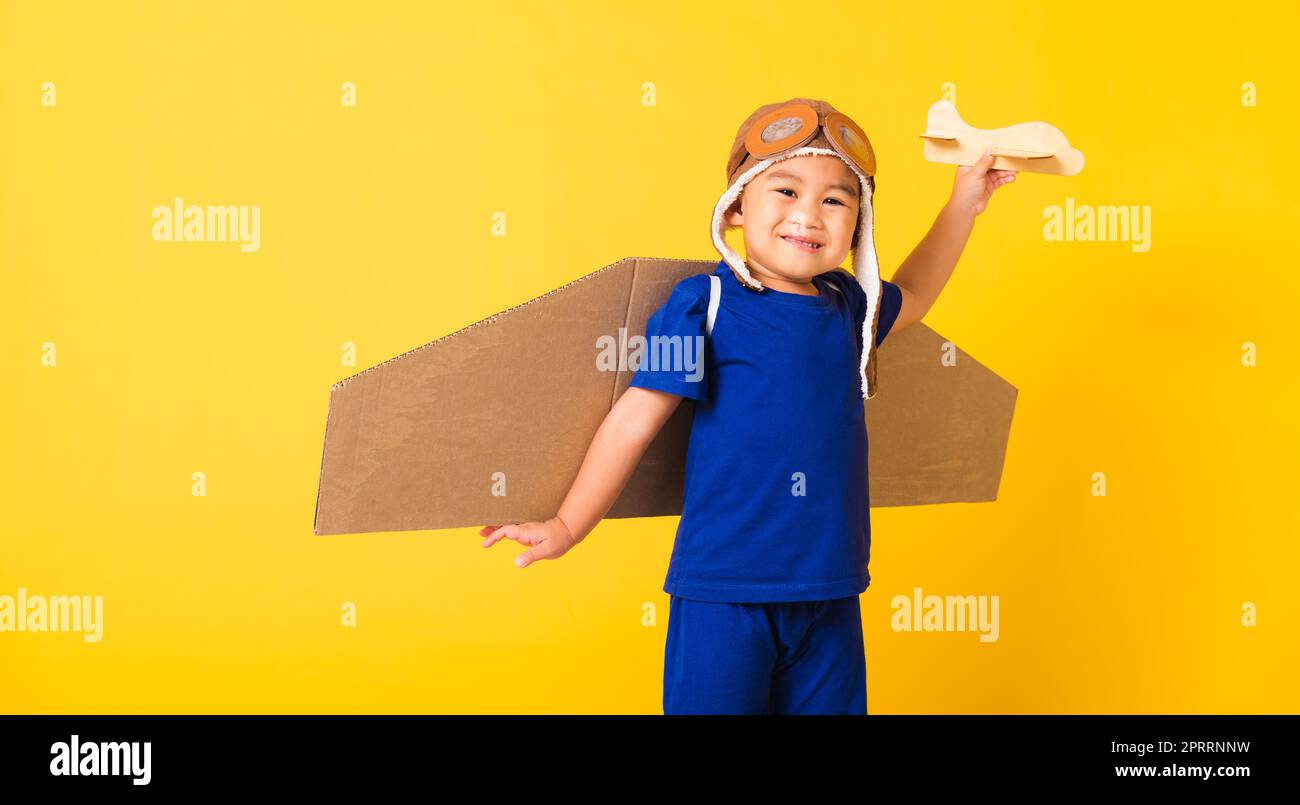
point(490, 424)
point(1033, 147)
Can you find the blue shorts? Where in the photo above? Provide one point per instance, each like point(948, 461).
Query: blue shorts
point(785, 657)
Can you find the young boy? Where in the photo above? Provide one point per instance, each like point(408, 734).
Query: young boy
point(772, 549)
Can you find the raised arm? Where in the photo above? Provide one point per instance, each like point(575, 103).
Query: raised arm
point(926, 270)
point(615, 451)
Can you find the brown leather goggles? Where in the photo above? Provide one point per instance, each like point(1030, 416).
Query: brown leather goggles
point(795, 124)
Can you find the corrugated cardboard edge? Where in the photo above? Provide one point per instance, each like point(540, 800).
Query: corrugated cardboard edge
point(320, 481)
point(486, 320)
point(627, 314)
point(495, 316)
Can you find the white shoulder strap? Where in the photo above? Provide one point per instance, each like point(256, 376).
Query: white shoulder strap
point(715, 295)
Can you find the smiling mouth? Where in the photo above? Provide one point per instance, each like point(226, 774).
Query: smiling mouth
point(806, 245)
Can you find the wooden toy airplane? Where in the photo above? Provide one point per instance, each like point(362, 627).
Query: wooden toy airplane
point(1032, 147)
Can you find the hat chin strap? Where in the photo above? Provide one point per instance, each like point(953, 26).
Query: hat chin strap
point(865, 265)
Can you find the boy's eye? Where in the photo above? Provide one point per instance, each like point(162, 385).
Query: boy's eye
point(788, 190)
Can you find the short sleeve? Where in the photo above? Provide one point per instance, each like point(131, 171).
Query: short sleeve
point(672, 358)
point(891, 303)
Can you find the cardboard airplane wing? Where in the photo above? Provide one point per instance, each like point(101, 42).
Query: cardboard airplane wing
point(490, 424)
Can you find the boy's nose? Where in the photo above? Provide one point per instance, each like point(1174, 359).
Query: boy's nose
point(805, 225)
point(803, 220)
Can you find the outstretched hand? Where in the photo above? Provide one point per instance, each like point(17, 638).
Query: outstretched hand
point(974, 185)
point(548, 540)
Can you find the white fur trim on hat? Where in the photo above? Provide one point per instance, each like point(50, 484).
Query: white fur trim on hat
point(865, 265)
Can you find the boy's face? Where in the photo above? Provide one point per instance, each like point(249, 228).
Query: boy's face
point(810, 198)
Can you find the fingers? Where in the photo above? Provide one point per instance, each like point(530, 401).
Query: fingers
point(980, 168)
point(998, 178)
point(494, 533)
point(515, 531)
point(523, 533)
point(540, 550)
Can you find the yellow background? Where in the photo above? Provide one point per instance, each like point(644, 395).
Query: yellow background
point(176, 358)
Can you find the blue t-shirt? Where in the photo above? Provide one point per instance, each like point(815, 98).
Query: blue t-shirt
point(776, 505)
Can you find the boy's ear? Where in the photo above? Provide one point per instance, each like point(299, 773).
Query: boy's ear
point(733, 216)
